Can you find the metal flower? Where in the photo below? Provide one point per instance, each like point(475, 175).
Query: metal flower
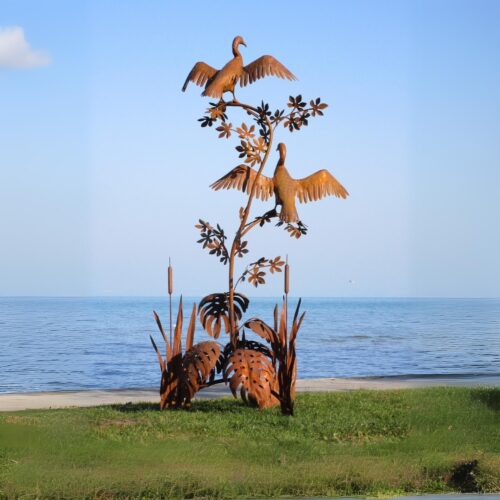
point(245, 132)
point(317, 106)
point(296, 103)
point(256, 276)
point(225, 130)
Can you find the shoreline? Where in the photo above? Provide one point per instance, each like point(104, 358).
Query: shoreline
point(96, 397)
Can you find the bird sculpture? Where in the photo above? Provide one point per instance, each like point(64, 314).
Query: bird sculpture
point(283, 185)
point(217, 82)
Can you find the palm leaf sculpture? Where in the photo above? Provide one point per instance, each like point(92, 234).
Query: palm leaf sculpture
point(184, 374)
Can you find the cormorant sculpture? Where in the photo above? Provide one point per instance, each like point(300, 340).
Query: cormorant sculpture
point(216, 82)
point(283, 185)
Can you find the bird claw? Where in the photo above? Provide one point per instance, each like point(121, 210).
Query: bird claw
point(271, 213)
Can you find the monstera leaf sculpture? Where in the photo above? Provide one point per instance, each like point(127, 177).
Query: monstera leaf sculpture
point(252, 373)
point(214, 310)
point(184, 374)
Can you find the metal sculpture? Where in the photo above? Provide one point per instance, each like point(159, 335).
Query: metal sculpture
point(217, 82)
point(263, 374)
point(184, 374)
point(214, 312)
point(285, 188)
point(253, 373)
point(283, 347)
point(170, 292)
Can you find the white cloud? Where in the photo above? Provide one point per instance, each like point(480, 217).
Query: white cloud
point(15, 51)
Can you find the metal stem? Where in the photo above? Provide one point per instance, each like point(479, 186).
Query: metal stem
point(232, 323)
point(286, 287)
point(170, 291)
point(214, 382)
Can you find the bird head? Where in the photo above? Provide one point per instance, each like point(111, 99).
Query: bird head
point(238, 41)
point(282, 149)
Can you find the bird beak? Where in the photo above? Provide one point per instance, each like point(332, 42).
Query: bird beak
point(243, 43)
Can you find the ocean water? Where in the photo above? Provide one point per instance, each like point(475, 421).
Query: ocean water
point(75, 343)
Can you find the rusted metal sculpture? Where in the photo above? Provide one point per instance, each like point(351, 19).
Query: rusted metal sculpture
point(255, 145)
point(184, 374)
point(285, 188)
point(170, 292)
point(283, 347)
point(282, 342)
point(263, 374)
point(217, 82)
point(214, 312)
point(253, 374)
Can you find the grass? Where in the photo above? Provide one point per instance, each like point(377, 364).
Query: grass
point(356, 443)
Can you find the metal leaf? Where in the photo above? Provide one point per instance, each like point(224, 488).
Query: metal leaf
point(198, 363)
point(262, 329)
point(252, 374)
point(214, 311)
point(184, 374)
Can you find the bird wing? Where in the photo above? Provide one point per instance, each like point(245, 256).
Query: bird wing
point(242, 178)
point(200, 74)
point(318, 185)
point(264, 66)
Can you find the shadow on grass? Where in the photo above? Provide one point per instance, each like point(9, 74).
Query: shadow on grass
point(136, 407)
point(198, 406)
point(489, 397)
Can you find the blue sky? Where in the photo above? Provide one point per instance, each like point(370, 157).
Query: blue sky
point(104, 169)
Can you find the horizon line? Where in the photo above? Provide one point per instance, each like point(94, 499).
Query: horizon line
point(423, 297)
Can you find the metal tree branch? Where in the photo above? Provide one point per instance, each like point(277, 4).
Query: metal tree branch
point(239, 233)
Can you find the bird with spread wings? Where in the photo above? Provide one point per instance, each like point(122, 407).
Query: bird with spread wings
point(284, 187)
point(217, 82)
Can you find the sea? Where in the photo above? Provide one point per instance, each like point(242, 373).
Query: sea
point(49, 344)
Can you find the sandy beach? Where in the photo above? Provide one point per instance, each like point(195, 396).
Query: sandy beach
point(62, 399)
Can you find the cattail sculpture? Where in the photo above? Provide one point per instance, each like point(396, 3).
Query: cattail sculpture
point(170, 292)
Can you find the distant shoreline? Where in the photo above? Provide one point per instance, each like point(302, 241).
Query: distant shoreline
point(95, 397)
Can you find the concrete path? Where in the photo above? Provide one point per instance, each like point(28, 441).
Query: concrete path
point(61, 399)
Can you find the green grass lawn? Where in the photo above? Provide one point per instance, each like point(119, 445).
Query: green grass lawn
point(356, 443)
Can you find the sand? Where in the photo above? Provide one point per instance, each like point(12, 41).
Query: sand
point(61, 399)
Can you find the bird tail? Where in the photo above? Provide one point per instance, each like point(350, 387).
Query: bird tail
point(289, 215)
point(210, 91)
